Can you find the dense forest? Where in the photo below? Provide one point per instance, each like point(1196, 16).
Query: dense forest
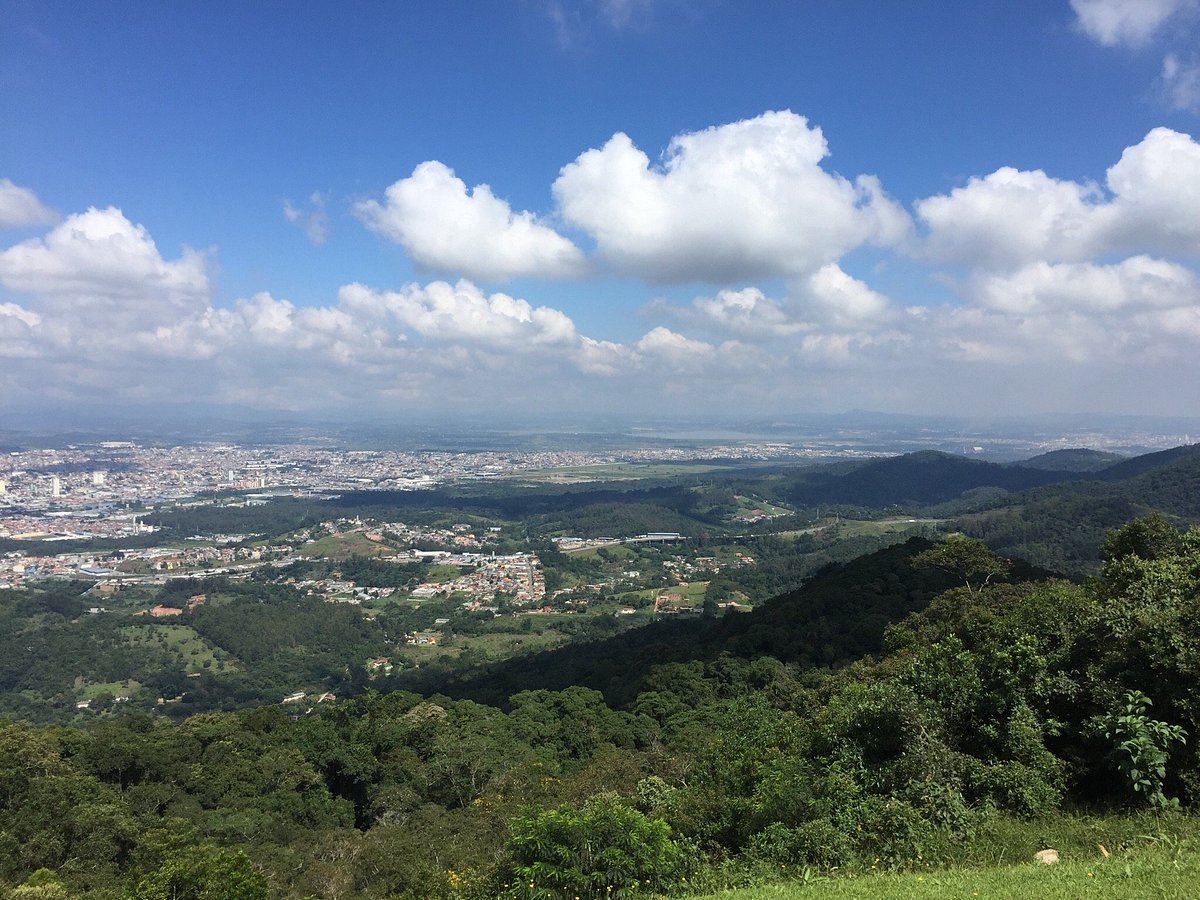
point(940, 692)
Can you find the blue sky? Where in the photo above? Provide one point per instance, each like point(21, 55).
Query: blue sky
point(652, 206)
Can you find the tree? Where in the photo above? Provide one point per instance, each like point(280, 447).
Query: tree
point(204, 873)
point(964, 558)
point(606, 849)
point(1150, 537)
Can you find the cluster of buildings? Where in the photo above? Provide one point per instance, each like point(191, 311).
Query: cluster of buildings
point(518, 576)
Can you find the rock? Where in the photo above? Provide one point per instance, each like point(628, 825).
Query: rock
point(1046, 857)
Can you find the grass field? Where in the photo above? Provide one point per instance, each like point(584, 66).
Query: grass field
point(440, 573)
point(749, 504)
point(615, 551)
point(116, 688)
point(1150, 858)
point(343, 546)
point(494, 646)
point(183, 640)
point(845, 528)
point(1134, 876)
point(693, 591)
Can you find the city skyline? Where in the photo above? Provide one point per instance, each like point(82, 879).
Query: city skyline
point(642, 206)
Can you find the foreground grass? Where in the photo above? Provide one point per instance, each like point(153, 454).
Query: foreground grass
point(1149, 859)
point(1157, 875)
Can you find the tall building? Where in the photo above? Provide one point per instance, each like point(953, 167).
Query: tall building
point(98, 478)
point(56, 486)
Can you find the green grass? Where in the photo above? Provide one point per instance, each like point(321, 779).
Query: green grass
point(691, 593)
point(440, 573)
point(184, 641)
point(343, 546)
point(1151, 858)
point(614, 551)
point(1132, 876)
point(116, 688)
point(746, 505)
point(494, 646)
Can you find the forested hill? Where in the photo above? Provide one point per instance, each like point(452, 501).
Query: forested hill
point(837, 617)
point(1062, 526)
point(1073, 460)
point(1147, 462)
point(914, 480)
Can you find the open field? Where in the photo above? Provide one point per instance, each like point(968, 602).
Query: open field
point(1152, 857)
point(1135, 876)
point(692, 591)
point(184, 640)
point(844, 528)
point(440, 573)
point(614, 551)
point(116, 688)
point(343, 546)
point(493, 646)
point(747, 505)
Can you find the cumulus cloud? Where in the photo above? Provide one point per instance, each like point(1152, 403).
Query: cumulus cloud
point(1135, 284)
point(102, 314)
point(1011, 217)
point(313, 220)
point(739, 201)
point(462, 312)
point(1094, 317)
point(20, 207)
point(747, 312)
point(828, 300)
point(1125, 22)
point(99, 257)
point(839, 298)
point(672, 346)
point(1056, 275)
point(446, 228)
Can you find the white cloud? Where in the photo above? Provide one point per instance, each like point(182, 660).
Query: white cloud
point(99, 261)
point(673, 347)
point(737, 201)
point(20, 207)
point(826, 301)
point(1011, 217)
point(604, 358)
point(462, 312)
point(838, 298)
point(1128, 22)
point(1092, 317)
point(746, 312)
point(314, 220)
point(1181, 83)
point(445, 228)
point(1157, 188)
point(1137, 283)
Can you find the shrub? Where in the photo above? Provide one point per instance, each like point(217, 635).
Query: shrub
point(603, 850)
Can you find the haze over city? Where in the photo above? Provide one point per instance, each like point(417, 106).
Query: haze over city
point(614, 206)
